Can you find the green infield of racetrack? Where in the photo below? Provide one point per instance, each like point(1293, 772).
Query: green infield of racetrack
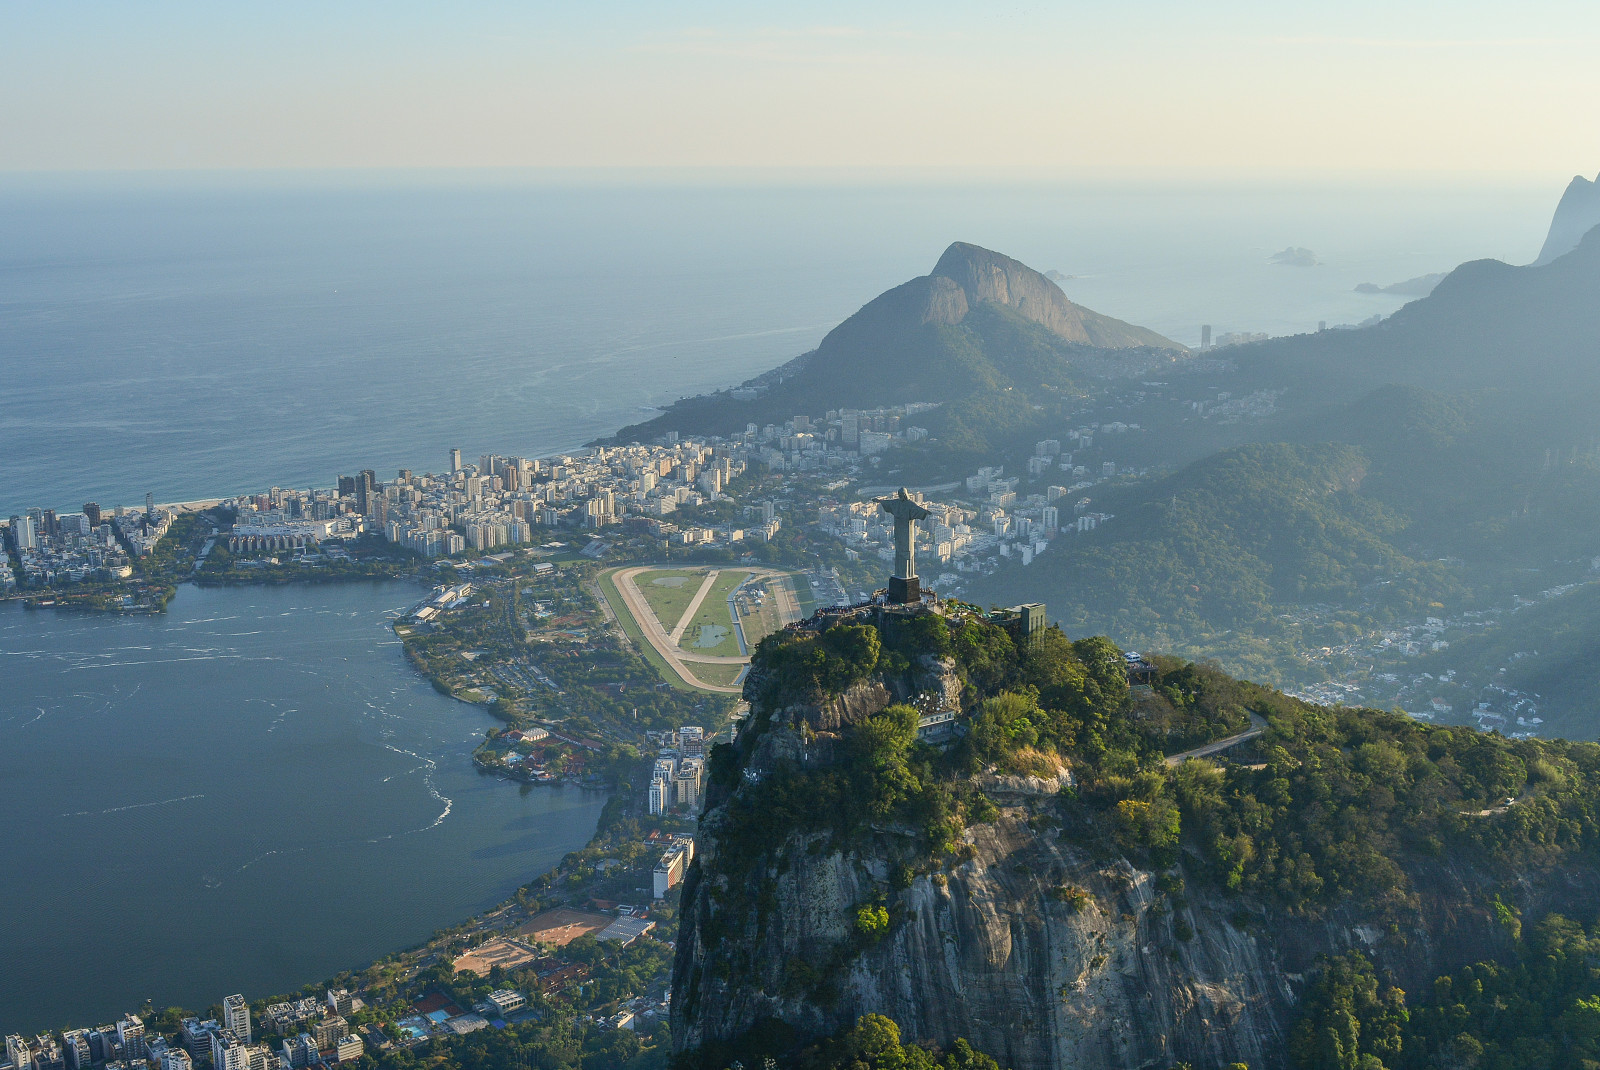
point(635, 634)
point(721, 675)
point(713, 614)
point(669, 592)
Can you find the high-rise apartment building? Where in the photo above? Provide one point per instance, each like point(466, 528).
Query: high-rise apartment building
point(300, 1051)
point(25, 532)
point(236, 1016)
point(686, 784)
point(660, 795)
point(130, 1035)
point(47, 1054)
point(18, 1052)
point(195, 1036)
point(227, 1053)
point(176, 1059)
point(75, 1046)
point(331, 1030)
point(103, 1044)
point(366, 491)
point(455, 460)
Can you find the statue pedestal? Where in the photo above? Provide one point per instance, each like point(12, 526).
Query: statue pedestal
point(903, 591)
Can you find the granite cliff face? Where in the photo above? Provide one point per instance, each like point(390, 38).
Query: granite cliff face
point(987, 277)
point(1025, 944)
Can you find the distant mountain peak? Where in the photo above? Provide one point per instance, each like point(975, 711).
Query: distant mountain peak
point(1577, 213)
point(987, 277)
point(979, 325)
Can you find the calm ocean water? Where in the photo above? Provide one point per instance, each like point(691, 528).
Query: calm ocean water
point(205, 336)
point(253, 791)
point(247, 794)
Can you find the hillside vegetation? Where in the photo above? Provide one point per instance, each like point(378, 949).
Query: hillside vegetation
point(1337, 799)
point(1325, 813)
point(1225, 545)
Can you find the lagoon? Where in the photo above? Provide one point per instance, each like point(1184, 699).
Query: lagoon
point(249, 793)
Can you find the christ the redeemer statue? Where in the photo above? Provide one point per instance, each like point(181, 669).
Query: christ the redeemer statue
point(903, 585)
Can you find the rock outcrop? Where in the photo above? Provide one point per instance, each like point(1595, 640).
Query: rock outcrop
point(1577, 213)
point(979, 323)
point(1024, 942)
point(991, 951)
point(988, 277)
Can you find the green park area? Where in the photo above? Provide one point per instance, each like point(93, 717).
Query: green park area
point(718, 675)
point(633, 630)
point(711, 630)
point(669, 592)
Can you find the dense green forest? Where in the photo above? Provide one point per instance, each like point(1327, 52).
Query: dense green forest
point(1210, 557)
point(1335, 804)
point(1424, 504)
point(1327, 809)
point(1439, 462)
point(1540, 1010)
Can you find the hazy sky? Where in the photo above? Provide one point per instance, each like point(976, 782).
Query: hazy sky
point(1356, 85)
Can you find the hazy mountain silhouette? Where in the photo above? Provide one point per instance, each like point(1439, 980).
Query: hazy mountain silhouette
point(1577, 213)
point(979, 322)
point(1487, 324)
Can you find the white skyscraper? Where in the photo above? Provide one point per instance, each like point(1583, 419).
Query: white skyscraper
point(130, 1034)
point(176, 1059)
point(236, 1016)
point(227, 1053)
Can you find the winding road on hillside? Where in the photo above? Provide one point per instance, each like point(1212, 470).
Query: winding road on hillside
point(1257, 726)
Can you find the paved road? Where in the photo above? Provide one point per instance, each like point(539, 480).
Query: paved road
point(1502, 808)
point(1257, 726)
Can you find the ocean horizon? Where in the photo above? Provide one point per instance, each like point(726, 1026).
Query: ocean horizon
point(202, 336)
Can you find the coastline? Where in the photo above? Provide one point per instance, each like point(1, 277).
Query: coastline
point(618, 783)
point(346, 720)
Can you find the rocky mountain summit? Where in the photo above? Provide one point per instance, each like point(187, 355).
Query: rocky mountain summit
point(979, 323)
point(1577, 213)
point(1088, 873)
point(984, 276)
